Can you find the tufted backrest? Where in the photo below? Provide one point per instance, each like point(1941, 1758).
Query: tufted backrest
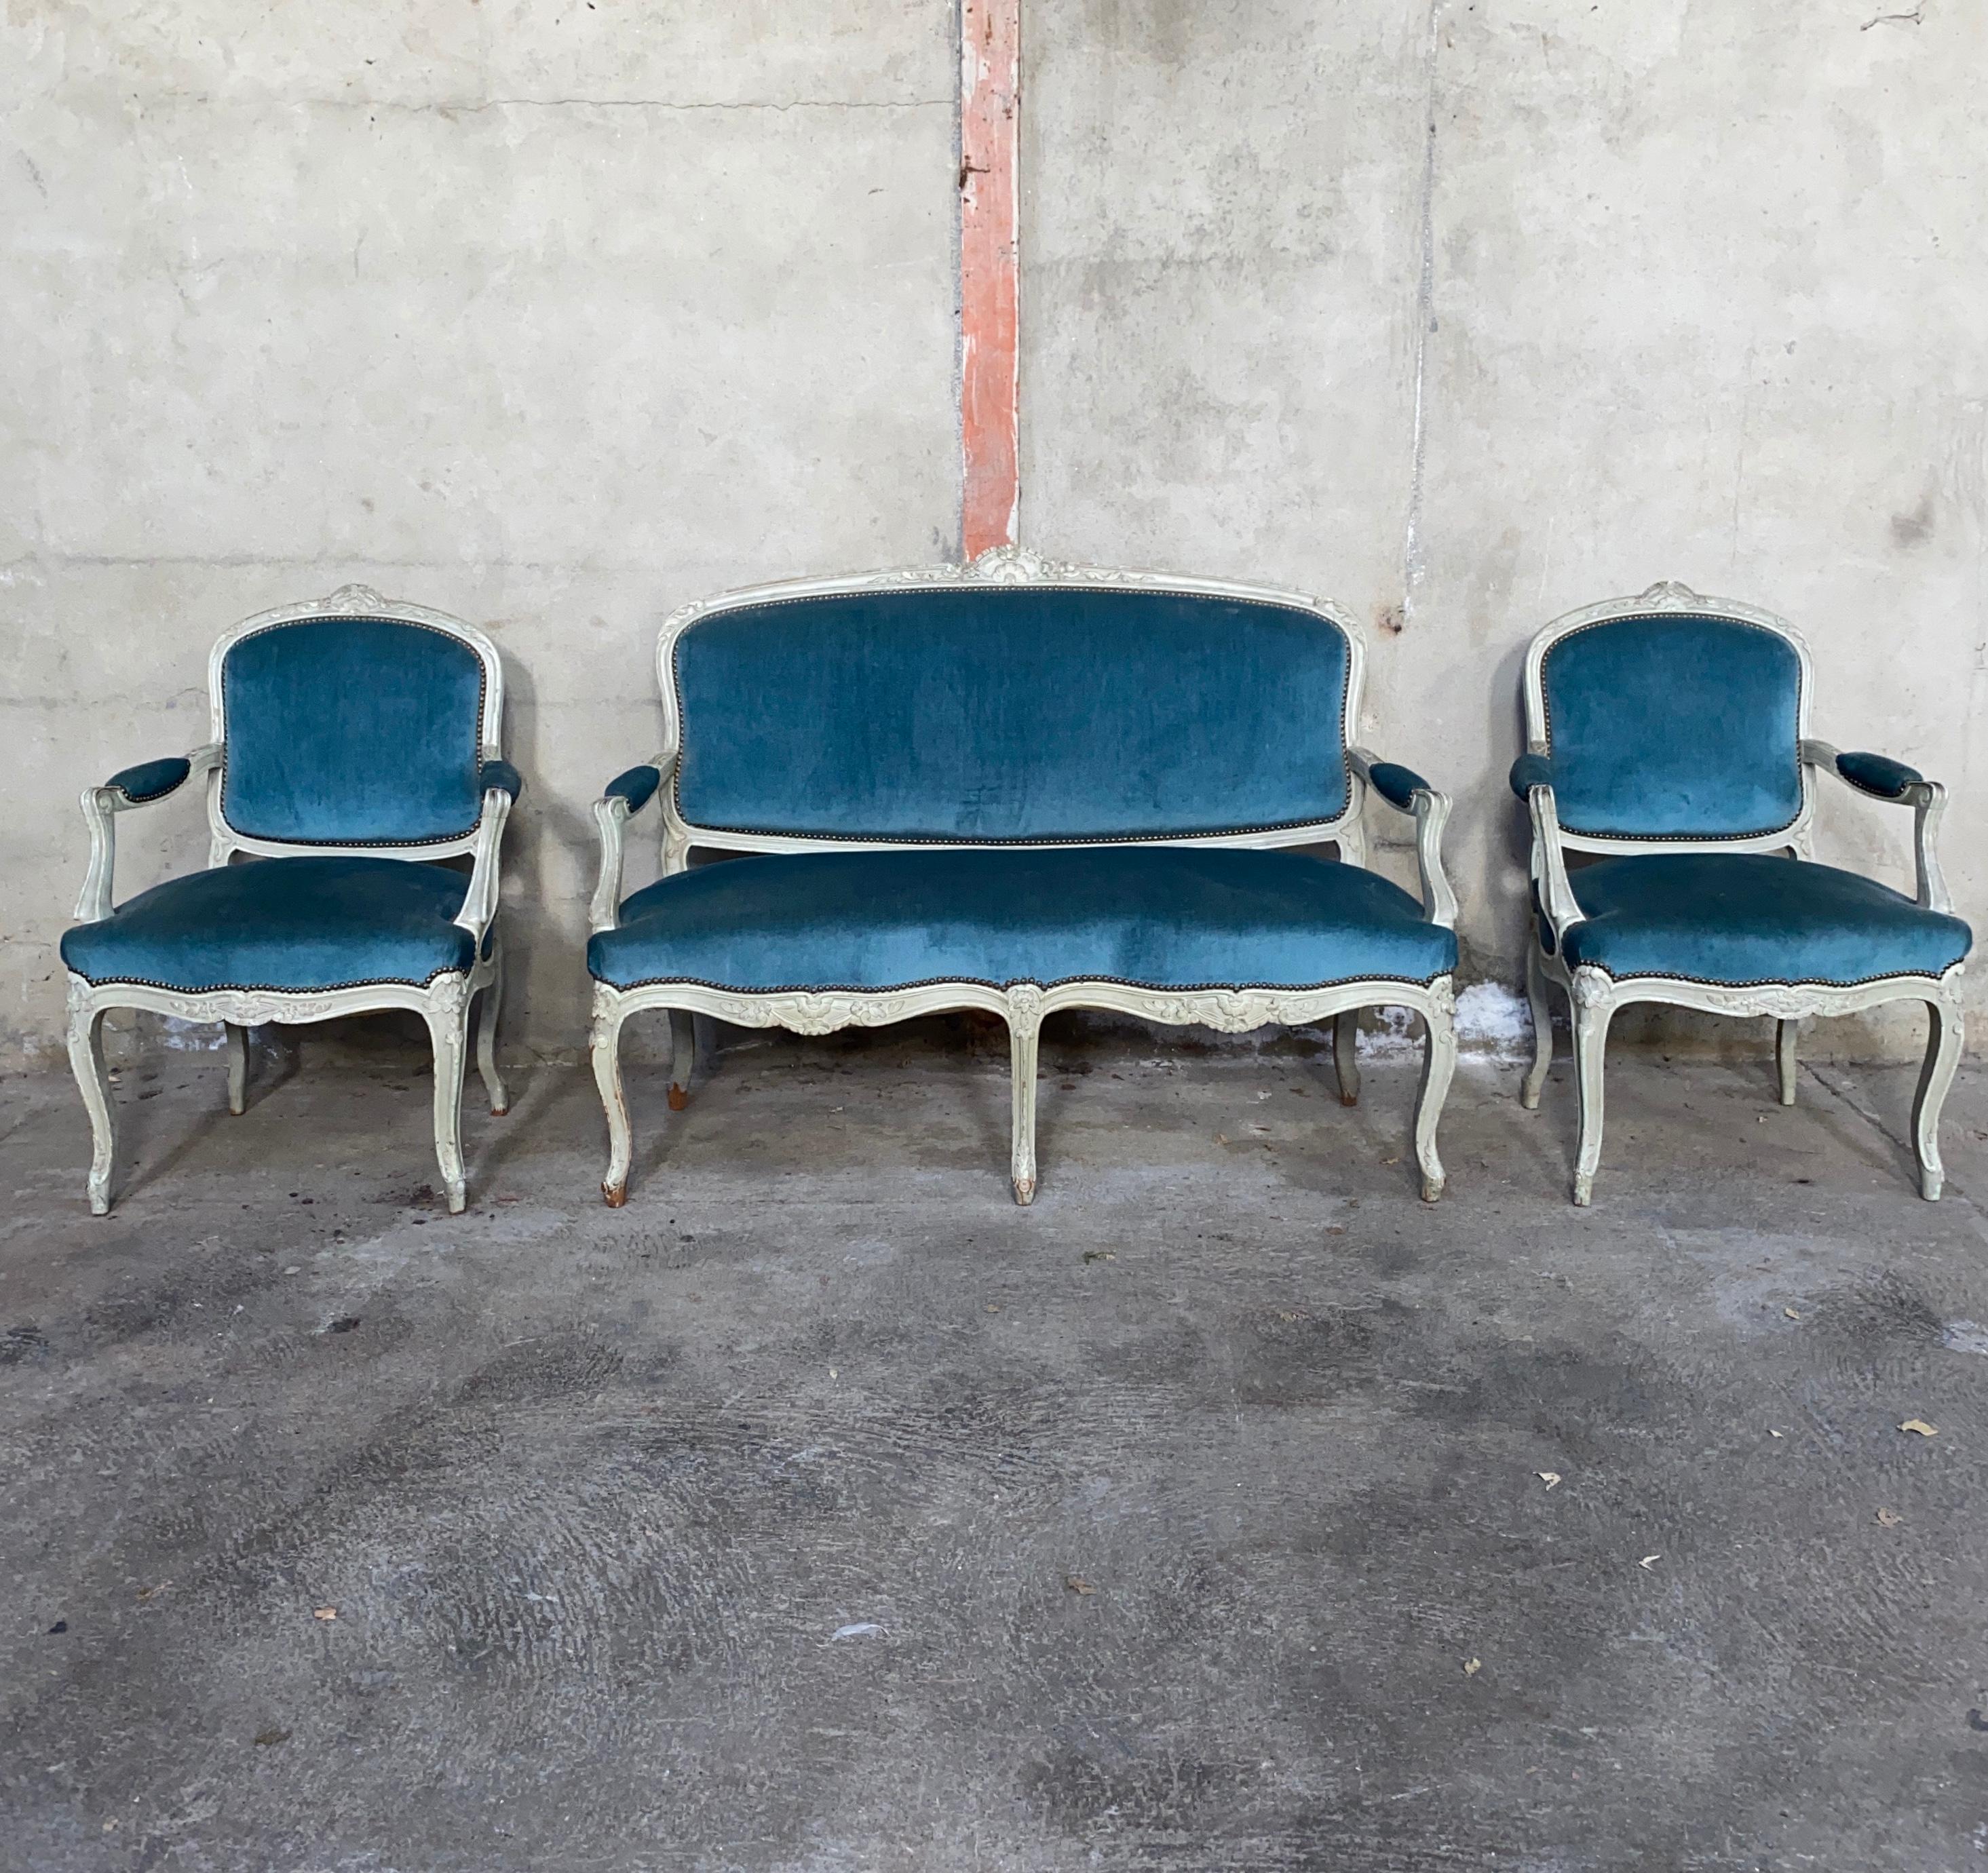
point(1011, 713)
point(1677, 725)
point(351, 731)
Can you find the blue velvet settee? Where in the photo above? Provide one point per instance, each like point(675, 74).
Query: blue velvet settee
point(1668, 734)
point(355, 744)
point(1018, 787)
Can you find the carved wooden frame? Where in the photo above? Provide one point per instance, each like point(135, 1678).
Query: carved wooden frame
point(444, 1003)
point(1594, 997)
point(1021, 1005)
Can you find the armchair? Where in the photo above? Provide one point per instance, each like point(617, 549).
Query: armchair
point(1669, 733)
point(355, 742)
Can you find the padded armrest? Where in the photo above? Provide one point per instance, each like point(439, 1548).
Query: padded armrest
point(501, 775)
point(1397, 784)
point(637, 786)
point(151, 780)
point(1877, 774)
point(1530, 771)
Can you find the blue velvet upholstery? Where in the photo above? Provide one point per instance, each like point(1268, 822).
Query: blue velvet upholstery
point(637, 785)
point(1530, 771)
point(501, 775)
point(1396, 784)
point(1011, 713)
point(1748, 917)
point(1158, 916)
point(352, 731)
point(151, 780)
point(1677, 726)
point(282, 923)
point(1877, 774)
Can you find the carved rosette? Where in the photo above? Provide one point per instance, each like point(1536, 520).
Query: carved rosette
point(1670, 595)
point(1026, 999)
point(354, 598)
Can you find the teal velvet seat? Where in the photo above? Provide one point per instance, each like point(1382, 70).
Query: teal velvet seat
point(1155, 916)
point(1741, 917)
point(286, 924)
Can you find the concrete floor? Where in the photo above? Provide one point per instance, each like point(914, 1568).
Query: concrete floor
point(822, 1509)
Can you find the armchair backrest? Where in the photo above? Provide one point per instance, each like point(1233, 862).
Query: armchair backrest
point(1672, 718)
point(1015, 701)
point(355, 723)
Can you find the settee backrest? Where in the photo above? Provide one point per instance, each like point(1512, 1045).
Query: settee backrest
point(1679, 722)
point(1034, 712)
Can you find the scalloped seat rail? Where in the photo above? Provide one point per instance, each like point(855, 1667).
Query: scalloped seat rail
point(1017, 786)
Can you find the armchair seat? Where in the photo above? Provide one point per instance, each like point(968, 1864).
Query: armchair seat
point(1154, 916)
point(1743, 917)
point(285, 924)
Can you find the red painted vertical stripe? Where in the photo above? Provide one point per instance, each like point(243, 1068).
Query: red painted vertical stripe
point(990, 96)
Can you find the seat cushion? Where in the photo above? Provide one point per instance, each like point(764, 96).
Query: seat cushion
point(282, 923)
point(1155, 916)
point(1750, 917)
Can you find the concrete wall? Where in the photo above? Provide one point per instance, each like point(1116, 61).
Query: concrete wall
point(555, 314)
point(1471, 315)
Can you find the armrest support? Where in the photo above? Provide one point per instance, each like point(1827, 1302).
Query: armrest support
point(130, 787)
point(1532, 779)
point(1405, 790)
point(1878, 777)
point(626, 795)
point(502, 785)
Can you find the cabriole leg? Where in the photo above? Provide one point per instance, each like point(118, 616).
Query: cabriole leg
point(1025, 1027)
point(491, 1002)
point(1786, 1034)
point(1535, 1080)
point(605, 1048)
point(1438, 1063)
point(85, 1056)
point(448, 1032)
point(1346, 1054)
point(1592, 1015)
point(1942, 1057)
point(238, 1067)
point(683, 1055)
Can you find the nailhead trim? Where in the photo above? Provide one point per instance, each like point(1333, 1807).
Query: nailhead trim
point(982, 982)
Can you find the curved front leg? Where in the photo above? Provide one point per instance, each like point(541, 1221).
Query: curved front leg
point(1025, 1027)
point(447, 1016)
point(1439, 1064)
point(605, 1046)
point(85, 1057)
point(1943, 1058)
point(1786, 1034)
point(1593, 1011)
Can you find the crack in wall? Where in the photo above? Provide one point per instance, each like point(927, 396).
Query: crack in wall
point(1411, 532)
